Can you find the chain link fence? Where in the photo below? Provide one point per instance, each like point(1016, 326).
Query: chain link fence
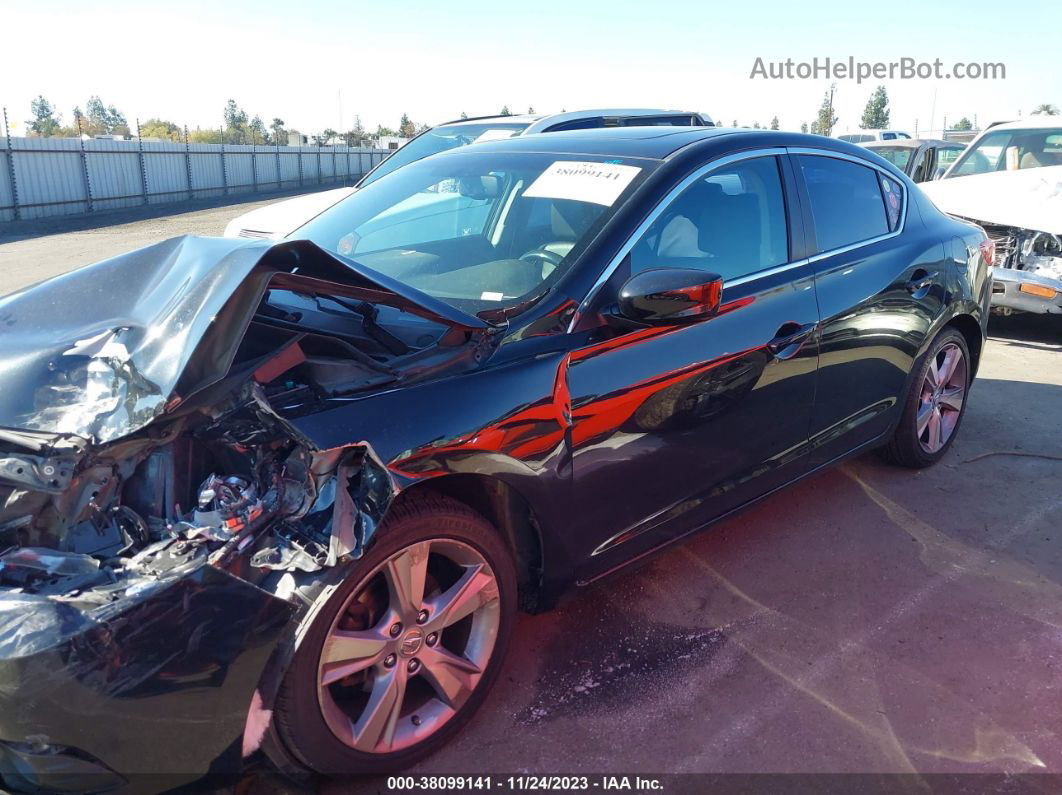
point(46, 177)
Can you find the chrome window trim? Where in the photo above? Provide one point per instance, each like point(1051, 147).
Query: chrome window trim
point(795, 150)
point(663, 204)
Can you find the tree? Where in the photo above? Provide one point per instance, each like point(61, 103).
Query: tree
point(1046, 109)
point(530, 110)
point(236, 130)
point(384, 132)
point(755, 125)
point(826, 117)
point(464, 115)
point(734, 123)
point(406, 128)
point(100, 119)
point(804, 127)
point(774, 123)
point(505, 111)
point(159, 128)
point(356, 136)
point(815, 128)
point(876, 113)
point(258, 131)
point(44, 122)
point(280, 135)
point(209, 136)
point(963, 124)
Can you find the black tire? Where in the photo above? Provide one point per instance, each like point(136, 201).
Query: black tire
point(298, 719)
point(904, 448)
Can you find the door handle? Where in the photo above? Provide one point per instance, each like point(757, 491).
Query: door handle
point(920, 280)
point(790, 336)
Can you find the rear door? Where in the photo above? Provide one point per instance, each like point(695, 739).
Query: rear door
point(673, 426)
point(880, 280)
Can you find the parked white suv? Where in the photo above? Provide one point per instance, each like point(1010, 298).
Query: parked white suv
point(866, 136)
point(277, 221)
point(1009, 181)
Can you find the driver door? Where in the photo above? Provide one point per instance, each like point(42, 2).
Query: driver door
point(676, 425)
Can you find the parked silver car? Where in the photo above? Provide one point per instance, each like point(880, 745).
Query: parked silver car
point(277, 221)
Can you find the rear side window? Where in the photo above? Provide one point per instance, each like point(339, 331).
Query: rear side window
point(684, 120)
point(846, 201)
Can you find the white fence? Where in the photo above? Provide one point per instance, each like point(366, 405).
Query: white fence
point(43, 177)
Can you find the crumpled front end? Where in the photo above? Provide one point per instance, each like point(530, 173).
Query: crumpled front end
point(1027, 270)
point(164, 525)
point(143, 594)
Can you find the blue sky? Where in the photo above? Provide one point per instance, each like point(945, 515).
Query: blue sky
point(316, 64)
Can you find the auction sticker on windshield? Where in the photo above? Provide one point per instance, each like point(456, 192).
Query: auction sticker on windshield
point(598, 183)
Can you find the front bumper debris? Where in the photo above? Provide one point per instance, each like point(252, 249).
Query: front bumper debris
point(159, 684)
point(1041, 295)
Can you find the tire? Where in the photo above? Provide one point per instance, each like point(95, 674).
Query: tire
point(909, 447)
point(306, 707)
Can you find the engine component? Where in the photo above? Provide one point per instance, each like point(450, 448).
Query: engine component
point(227, 503)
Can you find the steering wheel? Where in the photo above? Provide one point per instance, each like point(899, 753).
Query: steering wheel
point(545, 256)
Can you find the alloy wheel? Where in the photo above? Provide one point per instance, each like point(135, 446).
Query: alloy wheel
point(409, 646)
point(941, 399)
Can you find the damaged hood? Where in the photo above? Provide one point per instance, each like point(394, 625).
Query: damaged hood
point(101, 351)
point(1029, 198)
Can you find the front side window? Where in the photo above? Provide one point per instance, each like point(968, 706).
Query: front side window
point(731, 223)
point(846, 201)
point(945, 157)
point(479, 231)
point(1011, 150)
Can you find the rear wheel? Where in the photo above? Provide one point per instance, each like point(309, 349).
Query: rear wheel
point(934, 405)
point(406, 648)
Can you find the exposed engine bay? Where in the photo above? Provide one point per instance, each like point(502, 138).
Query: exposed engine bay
point(119, 470)
point(1039, 253)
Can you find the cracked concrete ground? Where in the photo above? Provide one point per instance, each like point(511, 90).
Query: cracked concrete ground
point(869, 619)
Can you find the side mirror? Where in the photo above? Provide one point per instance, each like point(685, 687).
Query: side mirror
point(670, 295)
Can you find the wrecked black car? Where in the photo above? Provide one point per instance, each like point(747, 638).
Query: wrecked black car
point(287, 499)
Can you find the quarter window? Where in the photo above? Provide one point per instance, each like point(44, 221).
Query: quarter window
point(846, 201)
point(732, 223)
point(890, 192)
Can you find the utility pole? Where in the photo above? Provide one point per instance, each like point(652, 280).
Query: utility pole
point(829, 118)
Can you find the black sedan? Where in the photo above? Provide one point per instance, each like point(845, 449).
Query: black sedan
point(288, 499)
point(922, 159)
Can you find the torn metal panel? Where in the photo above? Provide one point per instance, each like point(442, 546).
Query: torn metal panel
point(156, 325)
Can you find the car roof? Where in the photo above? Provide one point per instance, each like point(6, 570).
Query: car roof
point(1031, 123)
point(912, 143)
point(547, 119)
point(654, 143)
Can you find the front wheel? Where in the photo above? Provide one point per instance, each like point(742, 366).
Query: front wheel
point(934, 405)
point(406, 648)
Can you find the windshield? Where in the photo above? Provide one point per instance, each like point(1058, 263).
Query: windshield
point(448, 136)
point(899, 156)
point(1011, 150)
point(480, 231)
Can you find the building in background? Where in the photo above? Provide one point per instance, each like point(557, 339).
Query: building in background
point(391, 142)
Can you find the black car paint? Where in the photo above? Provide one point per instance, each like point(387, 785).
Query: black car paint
point(542, 414)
